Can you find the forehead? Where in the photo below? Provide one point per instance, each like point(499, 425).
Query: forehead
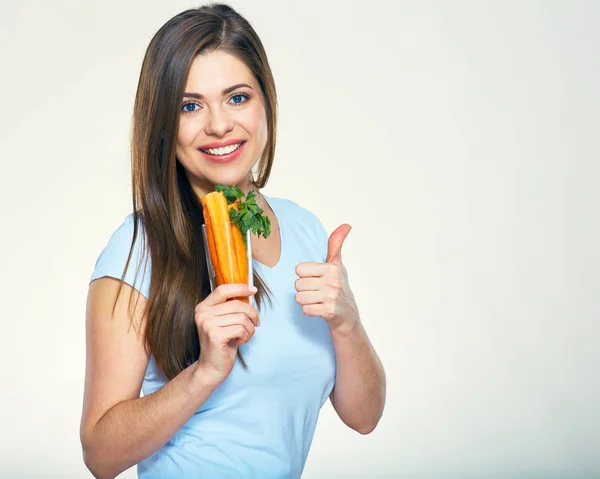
point(212, 72)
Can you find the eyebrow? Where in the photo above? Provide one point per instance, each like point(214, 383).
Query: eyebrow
point(224, 92)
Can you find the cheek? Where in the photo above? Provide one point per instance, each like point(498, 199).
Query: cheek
point(186, 134)
point(185, 140)
point(259, 127)
point(263, 132)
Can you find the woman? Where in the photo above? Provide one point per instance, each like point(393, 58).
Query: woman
point(205, 114)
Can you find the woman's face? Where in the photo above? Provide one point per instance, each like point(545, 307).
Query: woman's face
point(222, 123)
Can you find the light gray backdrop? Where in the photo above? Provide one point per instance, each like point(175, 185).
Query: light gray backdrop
point(459, 139)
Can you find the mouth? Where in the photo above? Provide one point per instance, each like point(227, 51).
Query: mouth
point(222, 151)
point(223, 154)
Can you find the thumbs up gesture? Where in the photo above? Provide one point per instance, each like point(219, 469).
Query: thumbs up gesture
point(323, 288)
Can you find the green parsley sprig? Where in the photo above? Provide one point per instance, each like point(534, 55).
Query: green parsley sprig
point(249, 215)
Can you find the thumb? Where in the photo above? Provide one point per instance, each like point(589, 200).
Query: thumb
point(336, 240)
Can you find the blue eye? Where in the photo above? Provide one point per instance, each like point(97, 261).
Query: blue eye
point(242, 97)
point(185, 108)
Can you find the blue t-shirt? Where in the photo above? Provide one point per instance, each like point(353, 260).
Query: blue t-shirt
point(257, 423)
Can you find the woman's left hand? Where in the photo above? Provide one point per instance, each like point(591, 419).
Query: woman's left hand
point(323, 288)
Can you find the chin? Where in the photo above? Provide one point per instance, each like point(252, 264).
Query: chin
point(227, 178)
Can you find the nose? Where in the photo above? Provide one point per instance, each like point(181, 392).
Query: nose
point(219, 122)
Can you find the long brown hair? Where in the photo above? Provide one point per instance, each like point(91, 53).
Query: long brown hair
point(163, 200)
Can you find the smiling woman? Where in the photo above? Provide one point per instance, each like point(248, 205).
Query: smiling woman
point(237, 113)
point(205, 114)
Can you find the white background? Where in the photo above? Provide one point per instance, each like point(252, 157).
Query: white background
point(459, 139)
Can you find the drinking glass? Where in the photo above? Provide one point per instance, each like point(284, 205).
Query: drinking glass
point(228, 257)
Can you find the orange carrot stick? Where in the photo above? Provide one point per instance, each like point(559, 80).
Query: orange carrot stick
point(242, 259)
point(211, 246)
point(220, 222)
point(241, 254)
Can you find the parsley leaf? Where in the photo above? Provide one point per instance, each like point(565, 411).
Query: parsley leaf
point(249, 215)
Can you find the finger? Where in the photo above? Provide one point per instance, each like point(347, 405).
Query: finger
point(236, 333)
point(236, 306)
point(310, 297)
point(227, 291)
point(313, 310)
point(334, 245)
point(238, 319)
point(308, 284)
point(305, 270)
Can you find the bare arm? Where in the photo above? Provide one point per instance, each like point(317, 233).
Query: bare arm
point(324, 291)
point(359, 393)
point(118, 428)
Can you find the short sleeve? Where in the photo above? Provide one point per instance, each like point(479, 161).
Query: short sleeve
point(111, 261)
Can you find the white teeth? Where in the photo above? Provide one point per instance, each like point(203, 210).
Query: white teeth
point(222, 151)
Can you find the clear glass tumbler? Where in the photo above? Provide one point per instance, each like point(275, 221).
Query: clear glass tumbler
point(228, 256)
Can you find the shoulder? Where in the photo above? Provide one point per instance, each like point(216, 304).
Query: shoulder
point(302, 223)
point(122, 237)
point(291, 210)
point(297, 214)
point(124, 230)
point(113, 258)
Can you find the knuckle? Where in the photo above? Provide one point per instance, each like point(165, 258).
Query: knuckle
point(218, 291)
point(241, 320)
point(210, 333)
point(251, 326)
point(237, 304)
point(200, 320)
point(203, 327)
point(222, 291)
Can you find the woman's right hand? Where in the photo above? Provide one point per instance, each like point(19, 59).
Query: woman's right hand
point(223, 324)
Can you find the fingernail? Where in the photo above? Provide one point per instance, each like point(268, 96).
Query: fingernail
point(253, 289)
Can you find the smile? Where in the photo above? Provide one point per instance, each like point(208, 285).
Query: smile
point(223, 154)
point(221, 151)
